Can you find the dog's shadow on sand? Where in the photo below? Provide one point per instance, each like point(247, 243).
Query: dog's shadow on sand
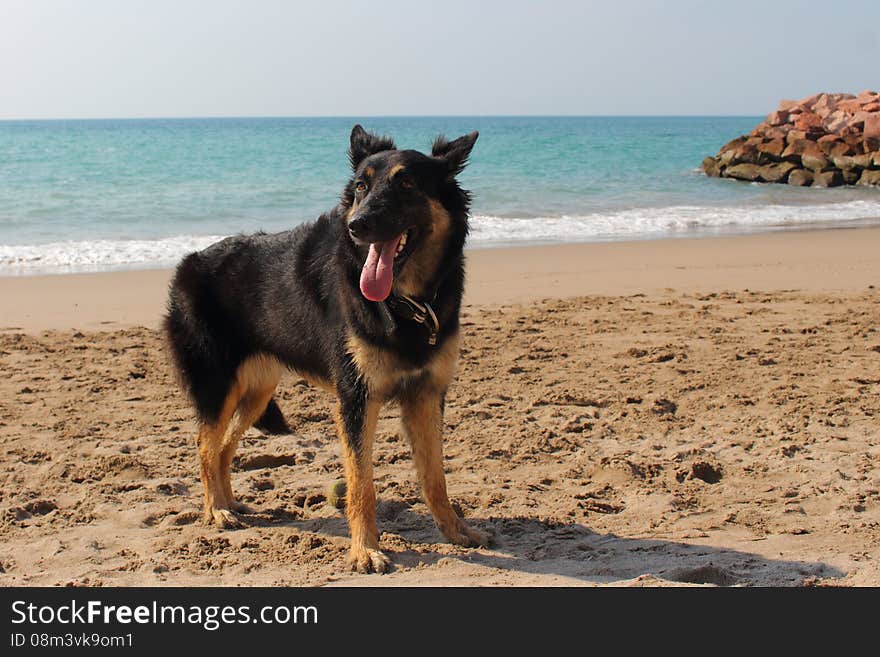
point(570, 551)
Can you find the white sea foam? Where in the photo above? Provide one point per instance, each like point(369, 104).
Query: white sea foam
point(659, 222)
point(96, 255)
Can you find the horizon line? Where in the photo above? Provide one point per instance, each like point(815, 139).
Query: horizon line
point(377, 116)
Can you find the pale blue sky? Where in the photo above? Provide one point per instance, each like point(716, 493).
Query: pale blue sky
point(149, 58)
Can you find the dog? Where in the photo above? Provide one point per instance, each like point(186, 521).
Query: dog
point(363, 302)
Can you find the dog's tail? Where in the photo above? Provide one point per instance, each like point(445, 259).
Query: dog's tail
point(272, 420)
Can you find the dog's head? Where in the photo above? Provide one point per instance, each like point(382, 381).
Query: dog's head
point(400, 208)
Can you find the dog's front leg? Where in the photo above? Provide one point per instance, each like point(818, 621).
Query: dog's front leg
point(422, 418)
point(356, 422)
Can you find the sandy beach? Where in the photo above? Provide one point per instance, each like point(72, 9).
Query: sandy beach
point(668, 412)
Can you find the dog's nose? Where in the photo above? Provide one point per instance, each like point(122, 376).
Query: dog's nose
point(359, 227)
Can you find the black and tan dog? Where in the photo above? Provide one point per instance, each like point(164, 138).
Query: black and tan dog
point(363, 302)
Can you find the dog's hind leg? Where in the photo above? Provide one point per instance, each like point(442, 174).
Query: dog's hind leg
point(256, 380)
point(356, 422)
point(421, 414)
point(211, 441)
point(250, 408)
point(272, 420)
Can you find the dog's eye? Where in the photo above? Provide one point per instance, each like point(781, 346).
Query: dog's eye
point(361, 187)
point(407, 183)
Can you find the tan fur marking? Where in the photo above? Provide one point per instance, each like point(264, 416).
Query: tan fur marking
point(382, 370)
point(250, 408)
point(422, 424)
point(360, 504)
point(210, 441)
point(424, 261)
point(422, 420)
point(259, 372)
point(397, 168)
point(445, 362)
point(254, 385)
point(370, 171)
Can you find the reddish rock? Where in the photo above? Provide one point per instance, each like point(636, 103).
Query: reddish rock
point(831, 178)
point(800, 178)
point(850, 106)
point(780, 132)
point(858, 117)
point(725, 158)
point(825, 105)
point(733, 143)
point(729, 151)
point(851, 134)
point(808, 102)
point(862, 161)
point(777, 173)
point(746, 153)
point(807, 121)
point(872, 126)
point(855, 143)
point(844, 161)
point(772, 149)
point(777, 118)
point(836, 148)
point(850, 176)
point(869, 178)
point(842, 148)
point(710, 166)
point(837, 121)
point(750, 172)
point(814, 161)
point(823, 140)
point(796, 149)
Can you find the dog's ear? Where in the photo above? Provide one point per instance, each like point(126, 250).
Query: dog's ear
point(364, 144)
point(454, 153)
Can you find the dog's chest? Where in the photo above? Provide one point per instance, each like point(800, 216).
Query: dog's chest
point(387, 374)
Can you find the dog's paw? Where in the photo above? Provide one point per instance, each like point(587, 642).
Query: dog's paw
point(467, 536)
point(367, 560)
point(225, 519)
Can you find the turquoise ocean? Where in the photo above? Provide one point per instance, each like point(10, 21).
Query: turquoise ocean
point(92, 195)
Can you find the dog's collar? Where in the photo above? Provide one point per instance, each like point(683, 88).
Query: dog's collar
point(408, 308)
point(418, 311)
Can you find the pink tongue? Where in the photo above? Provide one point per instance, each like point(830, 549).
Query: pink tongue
point(378, 272)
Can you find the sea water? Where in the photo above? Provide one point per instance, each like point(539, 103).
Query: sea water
point(87, 195)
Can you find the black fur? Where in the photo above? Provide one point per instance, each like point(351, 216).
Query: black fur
point(296, 295)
